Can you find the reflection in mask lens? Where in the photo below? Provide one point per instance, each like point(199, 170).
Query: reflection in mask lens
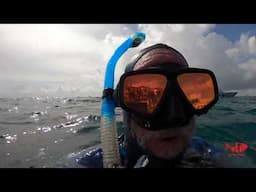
point(198, 88)
point(143, 92)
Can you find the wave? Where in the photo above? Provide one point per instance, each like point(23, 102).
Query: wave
point(223, 108)
point(87, 129)
point(16, 122)
point(252, 111)
point(90, 144)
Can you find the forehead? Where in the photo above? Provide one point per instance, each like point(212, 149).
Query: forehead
point(168, 67)
point(158, 56)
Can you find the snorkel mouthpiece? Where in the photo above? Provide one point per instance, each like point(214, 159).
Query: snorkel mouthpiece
point(109, 140)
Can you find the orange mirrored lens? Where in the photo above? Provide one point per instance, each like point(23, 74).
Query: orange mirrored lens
point(143, 92)
point(198, 88)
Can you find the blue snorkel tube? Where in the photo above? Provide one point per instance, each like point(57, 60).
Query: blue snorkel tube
point(110, 147)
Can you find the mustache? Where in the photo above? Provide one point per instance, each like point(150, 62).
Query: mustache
point(159, 135)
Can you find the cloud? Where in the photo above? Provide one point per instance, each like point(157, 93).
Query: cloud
point(35, 57)
point(70, 59)
point(249, 68)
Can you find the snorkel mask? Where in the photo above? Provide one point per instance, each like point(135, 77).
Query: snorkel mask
point(160, 91)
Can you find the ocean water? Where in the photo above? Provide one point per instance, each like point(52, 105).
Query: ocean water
point(42, 132)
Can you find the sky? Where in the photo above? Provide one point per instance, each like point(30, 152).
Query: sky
point(70, 59)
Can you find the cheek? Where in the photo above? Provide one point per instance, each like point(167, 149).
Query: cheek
point(189, 130)
point(140, 132)
point(137, 131)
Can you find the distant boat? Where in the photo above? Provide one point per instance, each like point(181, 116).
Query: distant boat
point(227, 93)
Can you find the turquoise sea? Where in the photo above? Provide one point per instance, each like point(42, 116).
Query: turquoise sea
point(42, 132)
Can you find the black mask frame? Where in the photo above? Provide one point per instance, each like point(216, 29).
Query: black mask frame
point(171, 84)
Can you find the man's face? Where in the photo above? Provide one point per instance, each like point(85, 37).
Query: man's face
point(167, 143)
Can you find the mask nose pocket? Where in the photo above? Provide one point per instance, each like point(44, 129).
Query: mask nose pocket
point(173, 110)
